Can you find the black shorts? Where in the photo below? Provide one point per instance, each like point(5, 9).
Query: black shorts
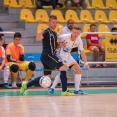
point(50, 62)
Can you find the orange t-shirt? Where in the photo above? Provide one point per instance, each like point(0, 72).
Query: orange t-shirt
point(14, 51)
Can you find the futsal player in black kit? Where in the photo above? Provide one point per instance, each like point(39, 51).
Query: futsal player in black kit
point(49, 60)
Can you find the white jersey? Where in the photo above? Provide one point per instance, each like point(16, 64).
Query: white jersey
point(69, 44)
point(64, 53)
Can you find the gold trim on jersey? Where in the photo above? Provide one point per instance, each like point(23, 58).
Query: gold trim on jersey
point(53, 58)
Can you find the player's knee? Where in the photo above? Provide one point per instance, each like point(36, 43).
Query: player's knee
point(63, 68)
point(32, 66)
point(14, 68)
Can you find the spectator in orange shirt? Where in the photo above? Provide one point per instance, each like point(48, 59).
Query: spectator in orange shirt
point(16, 60)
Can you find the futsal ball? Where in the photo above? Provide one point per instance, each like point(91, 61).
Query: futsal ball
point(45, 81)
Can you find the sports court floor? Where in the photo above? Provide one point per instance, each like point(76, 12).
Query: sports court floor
point(100, 102)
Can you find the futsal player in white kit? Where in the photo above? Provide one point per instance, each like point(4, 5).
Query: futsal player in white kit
point(66, 43)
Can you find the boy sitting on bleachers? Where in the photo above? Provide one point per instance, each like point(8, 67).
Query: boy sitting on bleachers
point(94, 45)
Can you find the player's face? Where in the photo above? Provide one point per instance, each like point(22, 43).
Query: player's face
point(70, 24)
point(75, 33)
point(17, 41)
point(52, 24)
point(93, 28)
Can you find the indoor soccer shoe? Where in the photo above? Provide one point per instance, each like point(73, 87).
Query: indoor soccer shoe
point(23, 88)
point(80, 92)
point(51, 91)
point(67, 93)
point(6, 86)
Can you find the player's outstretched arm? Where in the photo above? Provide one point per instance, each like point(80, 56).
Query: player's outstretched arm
point(39, 36)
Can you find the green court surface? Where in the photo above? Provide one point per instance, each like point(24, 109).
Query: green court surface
point(57, 92)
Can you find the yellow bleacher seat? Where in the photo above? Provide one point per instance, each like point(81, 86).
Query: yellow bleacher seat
point(115, 25)
point(59, 16)
point(71, 14)
point(99, 4)
point(89, 6)
point(113, 16)
point(58, 29)
point(103, 28)
point(101, 17)
point(86, 16)
point(41, 15)
point(12, 4)
point(41, 27)
point(7, 2)
point(111, 4)
point(27, 16)
point(28, 3)
point(86, 28)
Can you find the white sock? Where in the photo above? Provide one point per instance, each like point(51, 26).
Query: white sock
point(56, 81)
point(6, 74)
point(77, 79)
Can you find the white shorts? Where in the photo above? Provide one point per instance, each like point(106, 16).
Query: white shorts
point(65, 57)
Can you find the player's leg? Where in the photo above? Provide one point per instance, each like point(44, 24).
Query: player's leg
point(36, 80)
point(30, 67)
point(6, 74)
point(14, 72)
point(77, 78)
point(55, 82)
point(53, 63)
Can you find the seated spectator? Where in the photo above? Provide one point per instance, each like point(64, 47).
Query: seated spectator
point(67, 29)
point(76, 3)
point(2, 38)
point(53, 3)
point(4, 66)
point(94, 45)
point(16, 61)
point(114, 29)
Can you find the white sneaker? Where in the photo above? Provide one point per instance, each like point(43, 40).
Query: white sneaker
point(14, 85)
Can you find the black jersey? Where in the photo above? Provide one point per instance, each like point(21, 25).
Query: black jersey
point(49, 42)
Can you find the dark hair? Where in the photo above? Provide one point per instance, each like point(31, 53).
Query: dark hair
point(92, 25)
point(53, 17)
point(76, 27)
point(114, 28)
point(17, 34)
point(69, 20)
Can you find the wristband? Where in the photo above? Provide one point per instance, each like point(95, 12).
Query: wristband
point(85, 64)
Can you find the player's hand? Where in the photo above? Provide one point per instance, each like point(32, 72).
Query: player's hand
point(0, 68)
point(40, 35)
point(19, 45)
point(87, 67)
point(61, 44)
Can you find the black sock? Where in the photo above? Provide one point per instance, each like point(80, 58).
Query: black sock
point(33, 82)
point(63, 78)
